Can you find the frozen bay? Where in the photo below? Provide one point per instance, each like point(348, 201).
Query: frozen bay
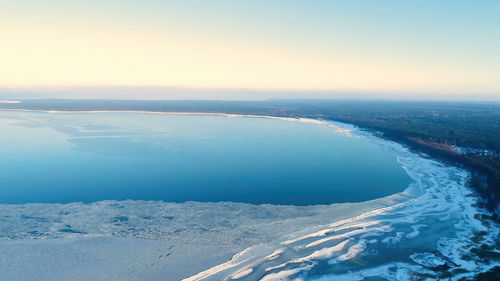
point(426, 229)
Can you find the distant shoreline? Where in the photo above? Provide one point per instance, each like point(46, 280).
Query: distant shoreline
point(9, 101)
point(298, 119)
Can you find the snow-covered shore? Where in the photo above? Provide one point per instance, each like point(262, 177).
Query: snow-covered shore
point(429, 236)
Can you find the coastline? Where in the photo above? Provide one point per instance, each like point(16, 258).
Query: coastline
point(451, 252)
point(476, 181)
point(486, 189)
point(347, 132)
point(371, 116)
point(243, 264)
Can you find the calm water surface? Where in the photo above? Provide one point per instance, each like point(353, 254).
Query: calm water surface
point(86, 157)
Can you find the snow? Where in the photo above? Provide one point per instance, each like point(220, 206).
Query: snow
point(151, 240)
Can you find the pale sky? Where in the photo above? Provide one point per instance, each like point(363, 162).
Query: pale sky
point(405, 49)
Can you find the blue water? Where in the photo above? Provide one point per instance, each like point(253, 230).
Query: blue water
point(87, 157)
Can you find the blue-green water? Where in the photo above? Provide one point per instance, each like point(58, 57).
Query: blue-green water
point(86, 157)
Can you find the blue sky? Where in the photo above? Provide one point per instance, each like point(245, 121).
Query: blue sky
point(405, 48)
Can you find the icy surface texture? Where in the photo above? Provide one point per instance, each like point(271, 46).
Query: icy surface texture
point(426, 232)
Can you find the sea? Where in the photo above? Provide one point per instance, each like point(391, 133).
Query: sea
point(99, 195)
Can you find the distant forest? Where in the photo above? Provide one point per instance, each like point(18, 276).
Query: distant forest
point(464, 133)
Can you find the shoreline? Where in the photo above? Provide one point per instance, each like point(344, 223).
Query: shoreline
point(339, 129)
point(474, 177)
point(242, 265)
point(476, 182)
point(484, 180)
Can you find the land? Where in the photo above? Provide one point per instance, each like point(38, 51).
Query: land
point(462, 133)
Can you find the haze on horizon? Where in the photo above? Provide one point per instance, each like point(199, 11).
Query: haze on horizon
point(250, 49)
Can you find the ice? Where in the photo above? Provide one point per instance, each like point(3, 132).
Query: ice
point(242, 273)
point(82, 241)
point(427, 259)
point(415, 231)
point(404, 227)
point(151, 240)
point(326, 252)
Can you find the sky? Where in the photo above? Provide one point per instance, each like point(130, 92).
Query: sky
point(255, 49)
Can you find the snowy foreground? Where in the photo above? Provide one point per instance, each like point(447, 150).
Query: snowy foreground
point(423, 232)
